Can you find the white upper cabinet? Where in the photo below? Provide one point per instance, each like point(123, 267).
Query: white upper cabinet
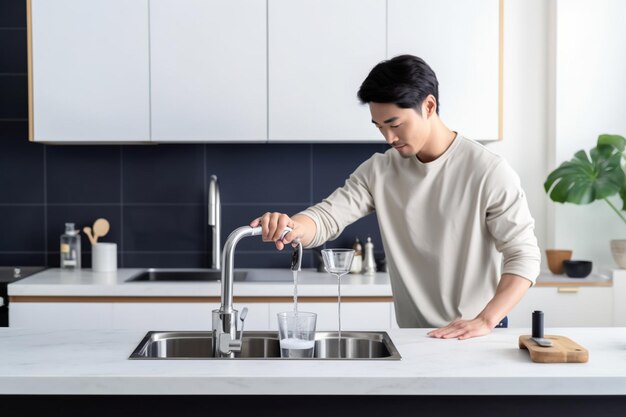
point(250, 70)
point(90, 70)
point(320, 51)
point(459, 39)
point(208, 70)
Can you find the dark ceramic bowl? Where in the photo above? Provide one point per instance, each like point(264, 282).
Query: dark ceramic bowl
point(577, 269)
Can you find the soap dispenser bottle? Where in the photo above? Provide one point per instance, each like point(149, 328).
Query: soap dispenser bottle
point(70, 248)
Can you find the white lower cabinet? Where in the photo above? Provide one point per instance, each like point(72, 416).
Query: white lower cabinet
point(257, 318)
point(181, 316)
point(163, 316)
point(619, 297)
point(562, 306)
point(354, 316)
point(565, 307)
point(61, 315)
point(189, 316)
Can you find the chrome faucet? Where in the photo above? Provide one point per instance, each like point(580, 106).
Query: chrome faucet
point(215, 220)
point(225, 339)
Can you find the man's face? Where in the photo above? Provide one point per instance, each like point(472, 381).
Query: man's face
point(404, 129)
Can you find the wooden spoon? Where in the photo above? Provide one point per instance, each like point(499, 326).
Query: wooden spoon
point(100, 228)
point(87, 231)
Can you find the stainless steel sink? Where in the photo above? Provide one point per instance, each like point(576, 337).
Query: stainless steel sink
point(265, 345)
point(177, 275)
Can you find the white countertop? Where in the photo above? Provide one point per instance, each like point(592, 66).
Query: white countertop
point(258, 283)
point(95, 362)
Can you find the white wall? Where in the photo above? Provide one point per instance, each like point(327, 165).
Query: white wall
point(564, 84)
point(590, 94)
point(525, 103)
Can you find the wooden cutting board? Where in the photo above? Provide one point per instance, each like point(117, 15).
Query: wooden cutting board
point(562, 350)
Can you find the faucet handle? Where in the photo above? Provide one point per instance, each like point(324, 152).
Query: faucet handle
point(229, 345)
point(242, 317)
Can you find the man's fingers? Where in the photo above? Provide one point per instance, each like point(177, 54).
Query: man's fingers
point(444, 332)
point(283, 222)
point(273, 227)
point(265, 219)
point(460, 329)
point(455, 333)
point(291, 237)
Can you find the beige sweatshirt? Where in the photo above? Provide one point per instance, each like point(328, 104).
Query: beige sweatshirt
point(449, 227)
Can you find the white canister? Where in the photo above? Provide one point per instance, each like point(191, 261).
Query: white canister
point(104, 257)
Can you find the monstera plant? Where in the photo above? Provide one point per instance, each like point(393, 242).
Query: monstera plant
point(595, 176)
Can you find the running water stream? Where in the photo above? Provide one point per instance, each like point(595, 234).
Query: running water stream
point(295, 292)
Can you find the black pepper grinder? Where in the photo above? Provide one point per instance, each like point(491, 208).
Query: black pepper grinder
point(538, 324)
point(537, 335)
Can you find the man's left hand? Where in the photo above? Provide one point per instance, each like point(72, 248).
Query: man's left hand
point(463, 329)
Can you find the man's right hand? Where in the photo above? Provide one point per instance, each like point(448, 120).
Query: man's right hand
point(273, 225)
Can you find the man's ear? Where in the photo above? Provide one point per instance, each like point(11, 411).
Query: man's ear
point(430, 106)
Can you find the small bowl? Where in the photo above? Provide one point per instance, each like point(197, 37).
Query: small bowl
point(577, 269)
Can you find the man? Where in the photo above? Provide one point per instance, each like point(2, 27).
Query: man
point(447, 207)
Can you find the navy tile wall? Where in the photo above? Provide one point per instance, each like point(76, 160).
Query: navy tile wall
point(13, 47)
point(21, 166)
point(83, 174)
point(163, 174)
point(12, 13)
point(14, 97)
point(154, 196)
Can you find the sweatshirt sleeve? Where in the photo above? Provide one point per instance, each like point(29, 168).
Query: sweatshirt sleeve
point(343, 207)
point(510, 223)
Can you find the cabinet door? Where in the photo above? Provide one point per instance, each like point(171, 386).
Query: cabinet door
point(354, 316)
point(459, 39)
point(208, 70)
point(565, 307)
point(320, 51)
point(257, 318)
point(90, 70)
point(61, 315)
point(181, 316)
point(619, 297)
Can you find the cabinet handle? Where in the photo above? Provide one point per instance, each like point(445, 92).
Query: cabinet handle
point(568, 290)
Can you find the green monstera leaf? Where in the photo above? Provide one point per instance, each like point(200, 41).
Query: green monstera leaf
point(582, 180)
point(616, 141)
point(619, 143)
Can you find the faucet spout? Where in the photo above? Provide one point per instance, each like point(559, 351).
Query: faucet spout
point(225, 342)
point(228, 262)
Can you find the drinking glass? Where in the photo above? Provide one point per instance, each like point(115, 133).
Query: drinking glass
point(337, 262)
point(296, 331)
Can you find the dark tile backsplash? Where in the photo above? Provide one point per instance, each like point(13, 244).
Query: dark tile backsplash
point(21, 166)
point(12, 13)
point(22, 228)
point(154, 196)
point(13, 47)
point(14, 96)
point(83, 174)
point(152, 175)
point(261, 173)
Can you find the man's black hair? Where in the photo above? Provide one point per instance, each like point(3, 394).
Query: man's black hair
point(405, 80)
